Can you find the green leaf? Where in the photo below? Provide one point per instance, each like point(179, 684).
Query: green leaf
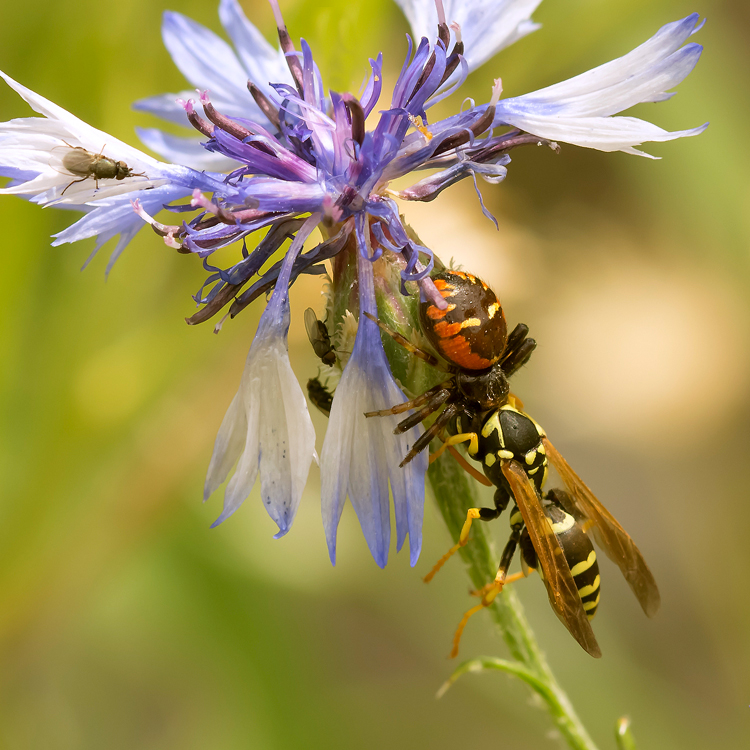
point(484, 663)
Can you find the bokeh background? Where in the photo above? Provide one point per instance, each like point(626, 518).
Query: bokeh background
point(125, 622)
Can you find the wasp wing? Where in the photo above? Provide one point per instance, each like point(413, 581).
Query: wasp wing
point(561, 589)
point(611, 537)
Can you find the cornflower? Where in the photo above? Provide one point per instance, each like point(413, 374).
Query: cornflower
point(279, 155)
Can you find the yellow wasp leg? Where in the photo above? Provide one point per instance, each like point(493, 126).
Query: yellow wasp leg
point(499, 581)
point(463, 537)
point(468, 468)
point(488, 594)
point(471, 437)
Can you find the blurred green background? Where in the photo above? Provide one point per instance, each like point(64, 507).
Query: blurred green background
point(125, 622)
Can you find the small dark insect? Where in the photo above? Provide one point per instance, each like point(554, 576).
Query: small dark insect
point(82, 163)
point(320, 396)
point(514, 451)
point(319, 338)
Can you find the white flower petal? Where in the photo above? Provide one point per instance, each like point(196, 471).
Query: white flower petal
point(228, 446)
point(578, 111)
point(38, 145)
point(666, 41)
point(287, 441)
point(368, 490)
point(279, 438)
point(335, 462)
point(187, 151)
point(246, 471)
point(361, 455)
point(205, 60)
point(63, 123)
point(487, 26)
point(114, 215)
point(353, 462)
point(264, 64)
point(604, 133)
point(275, 435)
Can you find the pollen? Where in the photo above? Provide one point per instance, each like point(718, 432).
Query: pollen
point(420, 125)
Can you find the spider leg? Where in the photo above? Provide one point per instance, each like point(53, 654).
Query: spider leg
point(516, 336)
point(424, 440)
point(413, 404)
point(519, 358)
point(432, 405)
point(518, 350)
point(399, 339)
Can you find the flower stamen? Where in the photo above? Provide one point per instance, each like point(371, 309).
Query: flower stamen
point(267, 107)
point(167, 231)
point(482, 123)
point(195, 119)
point(291, 54)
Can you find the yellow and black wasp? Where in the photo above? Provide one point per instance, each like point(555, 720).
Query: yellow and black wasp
point(478, 409)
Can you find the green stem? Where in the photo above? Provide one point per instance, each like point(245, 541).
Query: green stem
point(455, 494)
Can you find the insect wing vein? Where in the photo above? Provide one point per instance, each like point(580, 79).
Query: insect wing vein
point(611, 537)
point(561, 588)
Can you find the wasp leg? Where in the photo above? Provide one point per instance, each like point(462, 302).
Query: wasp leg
point(483, 514)
point(438, 390)
point(489, 592)
point(471, 437)
point(467, 467)
point(463, 538)
point(455, 440)
point(424, 440)
point(398, 338)
point(508, 579)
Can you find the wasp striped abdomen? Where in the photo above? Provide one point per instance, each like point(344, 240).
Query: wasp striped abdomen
point(471, 332)
point(577, 548)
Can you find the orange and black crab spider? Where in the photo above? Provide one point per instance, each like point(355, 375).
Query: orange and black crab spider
point(471, 335)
